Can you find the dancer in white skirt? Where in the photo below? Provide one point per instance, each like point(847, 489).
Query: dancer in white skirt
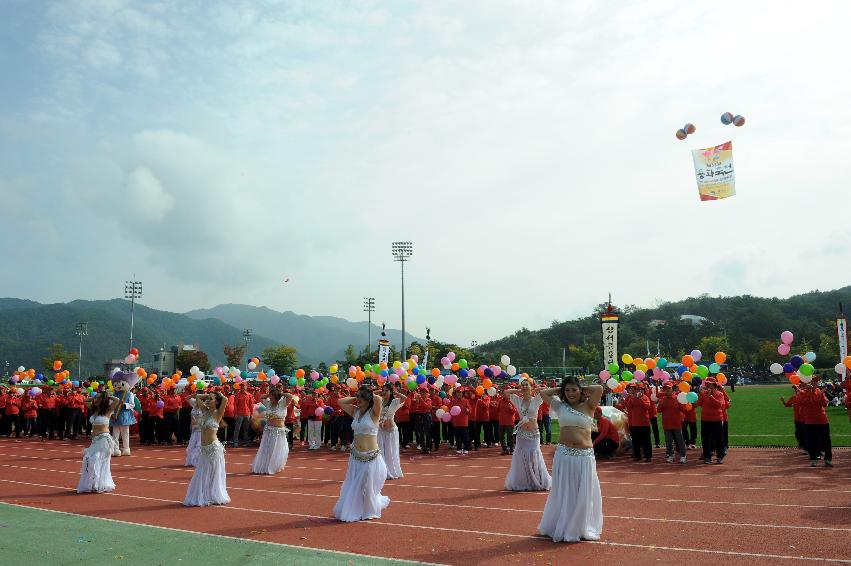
point(528, 470)
point(95, 475)
point(388, 432)
point(272, 455)
point(574, 508)
point(194, 446)
point(360, 496)
point(208, 485)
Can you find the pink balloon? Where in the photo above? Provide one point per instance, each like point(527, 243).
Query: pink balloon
point(787, 338)
point(444, 361)
point(314, 375)
point(446, 417)
point(639, 375)
point(783, 349)
point(415, 357)
point(400, 371)
point(451, 356)
point(275, 379)
point(450, 379)
point(605, 375)
point(393, 378)
point(455, 411)
point(319, 411)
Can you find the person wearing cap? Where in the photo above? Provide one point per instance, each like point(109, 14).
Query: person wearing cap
point(29, 413)
point(652, 393)
point(796, 401)
point(606, 438)
point(243, 404)
point(816, 424)
point(672, 423)
point(690, 425)
point(481, 418)
point(461, 421)
point(76, 402)
point(423, 416)
point(637, 406)
point(711, 403)
point(155, 416)
point(4, 397)
point(493, 415)
point(402, 418)
point(170, 419)
point(47, 413)
point(13, 413)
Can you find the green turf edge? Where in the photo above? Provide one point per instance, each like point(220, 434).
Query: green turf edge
point(70, 539)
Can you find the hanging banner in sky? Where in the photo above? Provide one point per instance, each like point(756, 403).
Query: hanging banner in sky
point(609, 321)
point(713, 169)
point(842, 338)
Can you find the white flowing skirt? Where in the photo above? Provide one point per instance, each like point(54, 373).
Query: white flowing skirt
point(208, 485)
point(574, 508)
point(360, 496)
point(388, 443)
point(528, 470)
point(95, 475)
point(193, 448)
point(272, 455)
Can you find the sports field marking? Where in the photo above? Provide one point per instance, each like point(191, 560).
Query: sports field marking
point(474, 532)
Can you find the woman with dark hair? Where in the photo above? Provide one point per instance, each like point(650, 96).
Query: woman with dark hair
point(360, 495)
point(574, 508)
point(388, 432)
point(96, 475)
point(272, 455)
point(208, 485)
point(193, 447)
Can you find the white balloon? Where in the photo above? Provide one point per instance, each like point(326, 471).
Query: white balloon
point(406, 366)
point(438, 383)
point(810, 356)
point(806, 378)
point(21, 368)
point(612, 383)
point(653, 397)
point(839, 368)
point(439, 413)
point(505, 360)
point(776, 368)
point(682, 398)
point(225, 369)
point(270, 373)
point(492, 391)
point(252, 366)
point(511, 370)
point(193, 370)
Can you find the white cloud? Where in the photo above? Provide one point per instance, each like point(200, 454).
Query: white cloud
point(145, 196)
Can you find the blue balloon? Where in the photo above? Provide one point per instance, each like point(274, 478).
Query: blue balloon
point(421, 379)
point(503, 375)
point(431, 380)
point(293, 380)
point(488, 372)
point(329, 411)
point(384, 373)
point(714, 368)
point(75, 383)
point(462, 373)
point(797, 361)
point(416, 370)
point(39, 376)
point(788, 367)
point(681, 370)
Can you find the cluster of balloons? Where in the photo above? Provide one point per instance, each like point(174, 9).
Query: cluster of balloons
point(727, 118)
point(799, 368)
point(685, 131)
point(132, 357)
point(253, 363)
point(843, 366)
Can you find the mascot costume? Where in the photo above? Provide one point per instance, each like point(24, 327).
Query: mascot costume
point(123, 417)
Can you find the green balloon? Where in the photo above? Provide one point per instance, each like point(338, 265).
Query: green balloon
point(367, 367)
point(702, 371)
point(200, 385)
point(613, 367)
point(50, 382)
point(627, 375)
point(806, 369)
point(412, 385)
point(300, 381)
point(662, 363)
point(462, 363)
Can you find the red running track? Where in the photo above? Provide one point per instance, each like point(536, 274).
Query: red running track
point(762, 506)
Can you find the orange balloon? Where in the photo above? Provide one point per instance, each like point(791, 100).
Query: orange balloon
point(480, 390)
point(455, 367)
point(261, 376)
point(487, 383)
point(684, 387)
point(299, 373)
point(382, 365)
point(687, 375)
point(153, 376)
point(57, 365)
point(151, 380)
point(720, 357)
point(693, 368)
point(237, 385)
point(650, 363)
point(687, 407)
point(353, 372)
point(722, 379)
point(794, 379)
point(688, 360)
point(435, 372)
point(847, 362)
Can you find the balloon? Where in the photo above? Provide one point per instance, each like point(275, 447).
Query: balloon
point(626, 359)
point(421, 379)
point(787, 337)
point(445, 362)
point(488, 372)
point(511, 370)
point(464, 373)
point(810, 357)
point(492, 391)
point(639, 375)
point(439, 413)
point(720, 357)
point(788, 367)
point(333, 368)
point(650, 363)
point(726, 118)
point(446, 417)
point(613, 367)
point(682, 397)
point(314, 375)
point(505, 360)
point(455, 411)
point(352, 383)
point(662, 363)
point(806, 369)
point(451, 379)
point(806, 378)
point(840, 369)
point(722, 379)
point(783, 349)
point(480, 390)
point(684, 386)
point(691, 396)
point(435, 372)
point(193, 370)
point(252, 366)
point(160, 403)
point(299, 373)
point(714, 368)
point(605, 375)
point(794, 379)
point(415, 358)
point(688, 360)
point(486, 383)
point(451, 356)
point(57, 365)
point(776, 368)
point(455, 366)
point(626, 375)
point(847, 362)
point(200, 385)
point(796, 361)
point(681, 134)
point(702, 371)
point(463, 364)
point(697, 355)
point(739, 121)
point(611, 383)
point(689, 128)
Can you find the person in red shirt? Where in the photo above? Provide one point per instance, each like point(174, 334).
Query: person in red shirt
point(493, 416)
point(404, 424)
point(422, 420)
point(155, 414)
point(4, 396)
point(63, 413)
point(229, 417)
point(29, 412)
point(606, 438)
point(13, 413)
point(816, 424)
point(46, 413)
point(711, 403)
point(672, 423)
point(461, 421)
point(507, 418)
point(170, 419)
point(725, 429)
point(76, 403)
point(243, 406)
point(652, 393)
point(795, 401)
point(637, 406)
point(293, 421)
point(481, 418)
point(544, 423)
point(184, 417)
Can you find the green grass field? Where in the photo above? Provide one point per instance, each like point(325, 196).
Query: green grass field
point(757, 418)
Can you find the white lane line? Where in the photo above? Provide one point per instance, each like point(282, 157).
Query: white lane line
point(475, 532)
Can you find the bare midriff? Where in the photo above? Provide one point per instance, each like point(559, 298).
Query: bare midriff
point(366, 442)
point(575, 437)
point(100, 429)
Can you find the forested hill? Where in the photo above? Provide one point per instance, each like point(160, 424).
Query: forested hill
point(746, 327)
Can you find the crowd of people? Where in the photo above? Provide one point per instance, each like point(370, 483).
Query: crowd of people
point(376, 424)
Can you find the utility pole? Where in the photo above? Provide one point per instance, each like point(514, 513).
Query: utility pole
point(132, 291)
point(402, 251)
point(369, 308)
point(81, 329)
point(246, 337)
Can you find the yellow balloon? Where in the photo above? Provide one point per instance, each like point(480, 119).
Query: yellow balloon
point(627, 359)
point(397, 364)
point(333, 368)
point(642, 367)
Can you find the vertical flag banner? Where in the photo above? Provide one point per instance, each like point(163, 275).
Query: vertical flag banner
point(713, 169)
point(609, 321)
point(842, 338)
point(383, 350)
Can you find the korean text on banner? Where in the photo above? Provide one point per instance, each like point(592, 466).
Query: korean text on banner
point(713, 169)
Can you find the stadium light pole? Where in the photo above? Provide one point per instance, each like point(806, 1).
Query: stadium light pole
point(402, 251)
point(246, 337)
point(369, 308)
point(81, 329)
point(132, 291)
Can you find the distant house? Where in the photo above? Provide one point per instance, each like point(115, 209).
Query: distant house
point(694, 319)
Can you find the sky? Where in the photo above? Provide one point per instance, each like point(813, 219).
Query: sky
point(527, 149)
